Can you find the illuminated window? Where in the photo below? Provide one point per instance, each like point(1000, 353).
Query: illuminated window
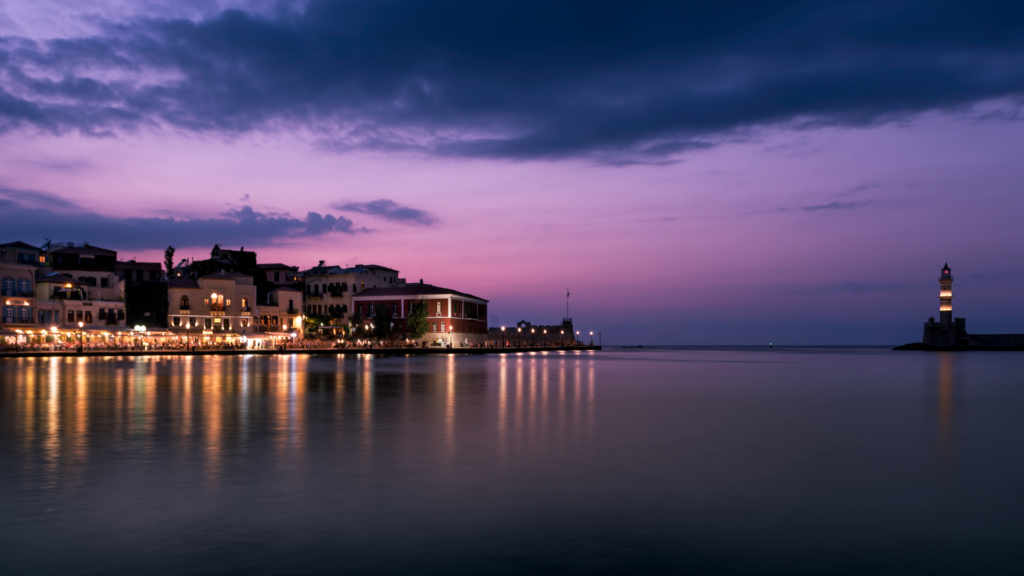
point(438, 309)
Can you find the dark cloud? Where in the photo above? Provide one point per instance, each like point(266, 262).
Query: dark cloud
point(388, 210)
point(853, 288)
point(610, 81)
point(837, 206)
point(31, 216)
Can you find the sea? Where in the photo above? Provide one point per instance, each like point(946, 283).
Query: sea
point(672, 460)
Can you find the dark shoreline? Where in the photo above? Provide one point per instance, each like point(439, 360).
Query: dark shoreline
point(925, 348)
point(342, 351)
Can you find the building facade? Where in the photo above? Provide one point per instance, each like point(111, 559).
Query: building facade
point(452, 317)
point(81, 289)
point(329, 291)
point(217, 308)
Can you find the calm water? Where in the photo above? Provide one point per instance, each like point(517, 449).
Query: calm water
point(697, 461)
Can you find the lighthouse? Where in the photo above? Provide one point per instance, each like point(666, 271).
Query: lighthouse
point(946, 296)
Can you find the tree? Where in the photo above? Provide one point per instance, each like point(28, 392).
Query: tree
point(417, 320)
point(169, 260)
point(382, 322)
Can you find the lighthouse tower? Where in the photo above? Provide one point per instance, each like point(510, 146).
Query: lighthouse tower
point(946, 296)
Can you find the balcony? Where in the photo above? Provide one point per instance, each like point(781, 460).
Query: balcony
point(246, 311)
point(293, 311)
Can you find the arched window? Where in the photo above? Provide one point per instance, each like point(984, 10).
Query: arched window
point(184, 302)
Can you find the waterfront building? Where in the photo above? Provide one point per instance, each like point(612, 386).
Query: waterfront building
point(452, 316)
point(82, 286)
point(217, 308)
point(145, 293)
point(17, 290)
point(22, 253)
point(329, 291)
point(281, 312)
point(281, 274)
point(529, 334)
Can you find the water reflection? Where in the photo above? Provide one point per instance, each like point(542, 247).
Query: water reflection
point(213, 413)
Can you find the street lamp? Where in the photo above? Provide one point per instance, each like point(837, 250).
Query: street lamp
point(561, 339)
point(591, 337)
point(533, 338)
point(80, 325)
point(577, 337)
point(519, 338)
point(502, 336)
point(451, 335)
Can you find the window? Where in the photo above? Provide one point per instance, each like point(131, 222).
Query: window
point(42, 316)
point(208, 323)
point(8, 313)
point(193, 322)
point(273, 320)
point(88, 316)
point(153, 275)
point(442, 326)
point(79, 315)
point(184, 302)
point(394, 310)
point(277, 276)
point(23, 286)
point(438, 309)
point(120, 314)
point(362, 286)
point(71, 316)
point(344, 286)
point(227, 324)
point(103, 314)
point(8, 286)
point(103, 283)
point(433, 326)
point(25, 313)
point(245, 303)
point(176, 321)
point(360, 310)
point(245, 323)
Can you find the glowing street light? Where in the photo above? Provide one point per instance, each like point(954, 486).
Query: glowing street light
point(80, 325)
point(502, 336)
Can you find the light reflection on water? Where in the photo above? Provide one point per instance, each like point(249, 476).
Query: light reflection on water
point(724, 461)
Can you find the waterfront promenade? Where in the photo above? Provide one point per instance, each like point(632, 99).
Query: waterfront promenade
point(270, 352)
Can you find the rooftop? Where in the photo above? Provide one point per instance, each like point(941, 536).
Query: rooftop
point(19, 244)
point(182, 283)
point(412, 290)
point(86, 250)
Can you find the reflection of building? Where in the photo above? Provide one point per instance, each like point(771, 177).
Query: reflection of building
point(451, 315)
point(219, 307)
point(950, 332)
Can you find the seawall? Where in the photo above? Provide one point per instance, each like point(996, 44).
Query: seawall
point(303, 351)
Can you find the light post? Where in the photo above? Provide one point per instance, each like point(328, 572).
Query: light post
point(80, 325)
point(533, 337)
point(53, 341)
point(591, 337)
point(545, 343)
point(577, 337)
point(502, 336)
point(561, 339)
point(519, 338)
point(451, 335)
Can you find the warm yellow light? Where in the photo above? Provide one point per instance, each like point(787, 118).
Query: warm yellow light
point(67, 285)
point(80, 324)
point(945, 308)
point(945, 294)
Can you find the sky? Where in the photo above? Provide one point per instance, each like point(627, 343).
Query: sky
point(693, 172)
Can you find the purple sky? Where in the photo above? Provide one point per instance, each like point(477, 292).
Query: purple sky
point(727, 175)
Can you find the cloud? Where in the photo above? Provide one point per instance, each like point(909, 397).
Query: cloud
point(388, 210)
point(656, 220)
point(600, 80)
point(837, 206)
point(31, 216)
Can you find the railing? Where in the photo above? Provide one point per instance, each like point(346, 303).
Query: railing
point(186, 307)
point(293, 311)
